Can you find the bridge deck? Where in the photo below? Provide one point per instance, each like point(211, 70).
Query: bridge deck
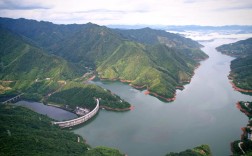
point(12, 99)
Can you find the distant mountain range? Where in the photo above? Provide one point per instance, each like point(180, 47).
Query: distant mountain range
point(153, 59)
point(237, 28)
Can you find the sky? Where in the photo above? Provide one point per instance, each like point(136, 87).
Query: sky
point(132, 12)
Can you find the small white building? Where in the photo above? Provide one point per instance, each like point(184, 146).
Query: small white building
point(81, 111)
point(249, 136)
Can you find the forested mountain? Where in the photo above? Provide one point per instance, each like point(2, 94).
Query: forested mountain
point(90, 45)
point(77, 94)
point(241, 72)
point(241, 67)
point(157, 67)
point(154, 59)
point(202, 150)
point(25, 132)
point(22, 61)
point(152, 36)
point(29, 69)
point(239, 49)
point(41, 33)
point(46, 61)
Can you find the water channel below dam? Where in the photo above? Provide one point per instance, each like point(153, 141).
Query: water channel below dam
point(203, 113)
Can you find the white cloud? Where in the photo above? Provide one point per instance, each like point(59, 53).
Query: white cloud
point(165, 12)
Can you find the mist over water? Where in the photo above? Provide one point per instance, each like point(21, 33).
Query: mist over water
point(203, 113)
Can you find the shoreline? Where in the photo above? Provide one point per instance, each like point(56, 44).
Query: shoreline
point(238, 105)
point(117, 109)
point(245, 132)
point(62, 107)
point(92, 78)
point(105, 107)
point(168, 99)
point(141, 88)
point(138, 87)
point(231, 78)
point(147, 92)
point(239, 89)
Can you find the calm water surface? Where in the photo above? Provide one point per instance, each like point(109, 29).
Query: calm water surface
point(203, 113)
point(52, 112)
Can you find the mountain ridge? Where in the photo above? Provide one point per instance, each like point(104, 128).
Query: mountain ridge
point(147, 60)
point(32, 71)
point(241, 71)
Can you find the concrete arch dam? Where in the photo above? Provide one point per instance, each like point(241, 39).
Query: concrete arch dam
point(80, 120)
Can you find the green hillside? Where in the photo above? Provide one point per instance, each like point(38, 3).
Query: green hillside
point(238, 49)
point(25, 66)
point(90, 45)
point(150, 36)
point(24, 132)
point(241, 72)
point(202, 150)
point(154, 59)
point(41, 33)
point(22, 61)
point(28, 69)
point(245, 141)
point(157, 67)
point(241, 67)
point(75, 94)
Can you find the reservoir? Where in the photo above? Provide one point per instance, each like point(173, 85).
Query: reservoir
point(52, 112)
point(203, 113)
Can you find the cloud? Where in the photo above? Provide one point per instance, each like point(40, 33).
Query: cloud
point(20, 5)
point(130, 12)
point(245, 7)
point(190, 1)
point(111, 11)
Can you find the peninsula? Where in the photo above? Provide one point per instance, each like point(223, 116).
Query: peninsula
point(241, 67)
point(244, 145)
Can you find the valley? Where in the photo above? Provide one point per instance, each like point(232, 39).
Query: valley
point(168, 62)
point(172, 93)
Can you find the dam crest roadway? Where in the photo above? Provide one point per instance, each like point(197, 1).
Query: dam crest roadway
point(80, 120)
